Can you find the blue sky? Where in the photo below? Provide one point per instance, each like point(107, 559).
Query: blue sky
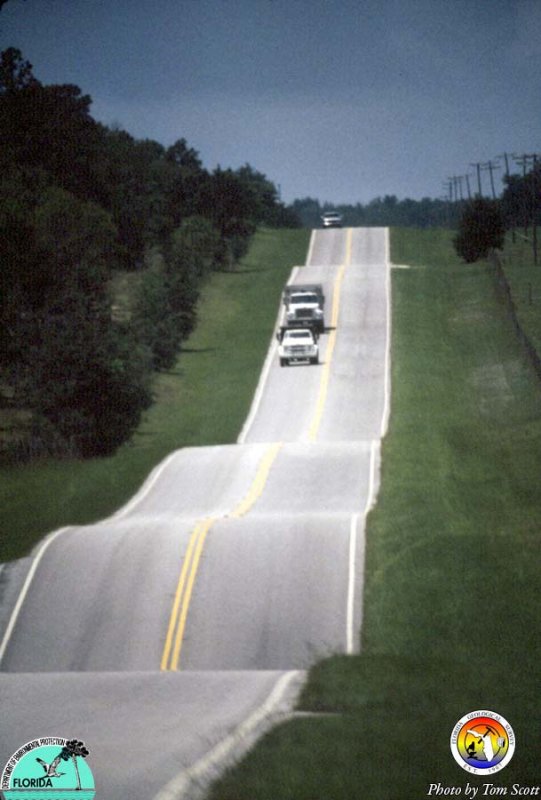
point(339, 100)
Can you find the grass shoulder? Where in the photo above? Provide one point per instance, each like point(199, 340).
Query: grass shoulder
point(451, 612)
point(524, 279)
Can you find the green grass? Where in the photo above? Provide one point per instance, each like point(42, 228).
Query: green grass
point(525, 281)
point(451, 604)
point(204, 400)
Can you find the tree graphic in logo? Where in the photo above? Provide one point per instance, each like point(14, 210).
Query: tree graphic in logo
point(52, 766)
point(74, 749)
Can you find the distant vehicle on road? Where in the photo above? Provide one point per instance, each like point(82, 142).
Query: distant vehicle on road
point(297, 344)
point(332, 219)
point(304, 306)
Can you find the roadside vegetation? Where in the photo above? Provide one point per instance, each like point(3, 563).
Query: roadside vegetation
point(203, 399)
point(524, 279)
point(451, 602)
point(81, 203)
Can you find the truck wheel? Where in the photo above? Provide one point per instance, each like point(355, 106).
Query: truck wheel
point(284, 362)
point(314, 360)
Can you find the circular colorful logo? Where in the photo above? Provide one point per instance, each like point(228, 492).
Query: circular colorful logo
point(482, 742)
point(45, 768)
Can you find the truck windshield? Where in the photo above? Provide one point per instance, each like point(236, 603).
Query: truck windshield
point(304, 298)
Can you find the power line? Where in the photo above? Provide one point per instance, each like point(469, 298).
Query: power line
point(524, 161)
point(491, 166)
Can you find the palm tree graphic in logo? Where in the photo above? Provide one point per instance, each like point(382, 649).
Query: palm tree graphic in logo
point(74, 749)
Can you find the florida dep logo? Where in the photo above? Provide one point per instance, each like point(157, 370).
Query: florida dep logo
point(48, 769)
point(482, 742)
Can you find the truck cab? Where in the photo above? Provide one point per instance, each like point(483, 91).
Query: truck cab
point(296, 345)
point(304, 306)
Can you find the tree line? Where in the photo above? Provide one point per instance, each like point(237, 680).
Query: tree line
point(381, 211)
point(78, 202)
point(481, 223)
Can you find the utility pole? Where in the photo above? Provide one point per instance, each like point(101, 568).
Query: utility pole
point(467, 178)
point(448, 186)
point(477, 165)
point(534, 221)
point(505, 156)
point(524, 161)
point(491, 166)
point(448, 199)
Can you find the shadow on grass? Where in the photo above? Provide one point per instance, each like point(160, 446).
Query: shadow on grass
point(249, 270)
point(195, 350)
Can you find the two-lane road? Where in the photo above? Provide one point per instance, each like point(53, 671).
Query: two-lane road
point(168, 625)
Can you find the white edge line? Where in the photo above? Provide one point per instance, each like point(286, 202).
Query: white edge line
point(141, 494)
point(26, 586)
point(260, 389)
point(353, 535)
point(351, 583)
point(145, 488)
point(175, 789)
point(387, 376)
point(311, 246)
point(256, 402)
point(371, 497)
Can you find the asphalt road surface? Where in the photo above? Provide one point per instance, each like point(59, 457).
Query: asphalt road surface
point(196, 609)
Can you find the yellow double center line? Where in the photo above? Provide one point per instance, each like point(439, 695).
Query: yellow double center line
point(183, 594)
point(181, 603)
point(325, 377)
point(179, 613)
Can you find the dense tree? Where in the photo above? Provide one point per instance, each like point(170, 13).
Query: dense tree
point(521, 200)
point(231, 205)
point(166, 309)
point(267, 208)
point(15, 72)
point(184, 156)
point(76, 244)
point(85, 375)
point(77, 201)
point(183, 177)
point(309, 211)
point(481, 230)
point(50, 127)
point(198, 239)
point(226, 200)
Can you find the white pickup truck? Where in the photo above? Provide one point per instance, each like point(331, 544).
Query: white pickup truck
point(297, 344)
point(304, 306)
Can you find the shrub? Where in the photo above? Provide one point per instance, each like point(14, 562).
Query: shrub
point(481, 229)
point(88, 377)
